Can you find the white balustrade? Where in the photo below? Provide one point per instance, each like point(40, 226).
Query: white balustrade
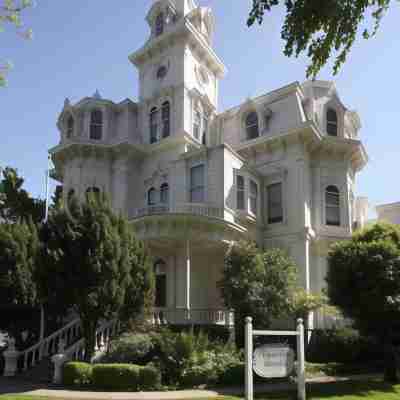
point(199, 209)
point(66, 342)
point(47, 347)
point(206, 316)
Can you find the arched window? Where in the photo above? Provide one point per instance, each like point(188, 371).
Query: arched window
point(196, 124)
point(151, 197)
point(252, 130)
point(153, 125)
point(332, 206)
point(331, 122)
point(96, 125)
point(164, 193)
point(70, 127)
point(165, 116)
point(159, 24)
point(160, 271)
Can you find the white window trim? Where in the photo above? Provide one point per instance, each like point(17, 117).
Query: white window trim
point(247, 177)
point(244, 124)
point(341, 206)
point(189, 182)
point(284, 202)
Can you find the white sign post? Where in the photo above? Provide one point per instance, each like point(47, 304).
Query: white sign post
point(274, 361)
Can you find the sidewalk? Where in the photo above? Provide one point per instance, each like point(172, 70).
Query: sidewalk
point(17, 387)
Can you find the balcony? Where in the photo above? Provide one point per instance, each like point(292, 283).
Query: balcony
point(199, 209)
point(206, 316)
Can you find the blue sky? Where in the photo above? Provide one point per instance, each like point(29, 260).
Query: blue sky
point(81, 46)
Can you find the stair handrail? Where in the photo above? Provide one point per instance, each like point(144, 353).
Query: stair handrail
point(42, 343)
point(80, 344)
point(53, 335)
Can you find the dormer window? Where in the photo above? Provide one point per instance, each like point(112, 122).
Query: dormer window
point(70, 127)
point(252, 130)
point(160, 24)
point(162, 72)
point(96, 125)
point(331, 122)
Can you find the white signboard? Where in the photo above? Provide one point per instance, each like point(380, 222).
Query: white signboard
point(273, 361)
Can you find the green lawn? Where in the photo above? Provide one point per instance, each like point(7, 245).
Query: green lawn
point(373, 390)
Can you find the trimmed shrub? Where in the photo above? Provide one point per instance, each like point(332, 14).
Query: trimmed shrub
point(130, 349)
point(149, 378)
point(77, 374)
point(116, 377)
point(343, 345)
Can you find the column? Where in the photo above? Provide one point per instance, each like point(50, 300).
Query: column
point(187, 275)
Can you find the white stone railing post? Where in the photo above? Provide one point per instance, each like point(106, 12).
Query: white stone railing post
point(11, 359)
point(59, 360)
point(248, 346)
point(301, 372)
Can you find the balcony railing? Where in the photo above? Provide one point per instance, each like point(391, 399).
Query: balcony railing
point(198, 316)
point(200, 209)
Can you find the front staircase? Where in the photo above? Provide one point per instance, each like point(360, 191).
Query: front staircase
point(34, 364)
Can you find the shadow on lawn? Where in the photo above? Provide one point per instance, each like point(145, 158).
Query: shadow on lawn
point(338, 389)
point(16, 386)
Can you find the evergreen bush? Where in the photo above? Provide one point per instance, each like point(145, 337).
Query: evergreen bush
point(116, 377)
point(131, 349)
point(343, 345)
point(77, 374)
point(149, 378)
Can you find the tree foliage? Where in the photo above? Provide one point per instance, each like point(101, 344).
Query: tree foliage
point(10, 13)
point(18, 292)
point(364, 282)
point(15, 202)
point(320, 27)
point(91, 260)
point(257, 284)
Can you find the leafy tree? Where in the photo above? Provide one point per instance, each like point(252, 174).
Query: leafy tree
point(90, 260)
point(303, 303)
point(320, 27)
point(18, 293)
point(10, 13)
point(364, 282)
point(15, 202)
point(257, 284)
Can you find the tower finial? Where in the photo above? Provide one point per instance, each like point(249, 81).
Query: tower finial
point(97, 95)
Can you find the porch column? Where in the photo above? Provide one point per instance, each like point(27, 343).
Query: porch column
point(187, 276)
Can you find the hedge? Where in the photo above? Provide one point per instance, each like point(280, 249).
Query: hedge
point(77, 373)
point(149, 378)
point(112, 377)
point(343, 345)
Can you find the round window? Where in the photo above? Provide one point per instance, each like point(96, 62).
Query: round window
point(162, 72)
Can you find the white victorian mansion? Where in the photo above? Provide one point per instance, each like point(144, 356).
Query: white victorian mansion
point(279, 169)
